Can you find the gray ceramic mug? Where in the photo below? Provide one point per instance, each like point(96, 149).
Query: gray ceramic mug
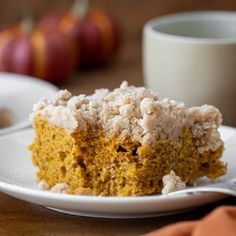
point(191, 57)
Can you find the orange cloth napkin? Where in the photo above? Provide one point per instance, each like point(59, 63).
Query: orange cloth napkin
point(220, 222)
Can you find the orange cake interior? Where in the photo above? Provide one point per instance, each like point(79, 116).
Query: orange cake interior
point(123, 142)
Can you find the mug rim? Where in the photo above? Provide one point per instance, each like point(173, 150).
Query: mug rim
point(187, 16)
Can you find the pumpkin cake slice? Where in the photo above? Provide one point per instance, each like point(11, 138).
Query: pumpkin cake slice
point(125, 142)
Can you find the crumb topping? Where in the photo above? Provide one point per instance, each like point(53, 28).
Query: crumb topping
point(43, 185)
point(172, 183)
point(132, 111)
point(60, 188)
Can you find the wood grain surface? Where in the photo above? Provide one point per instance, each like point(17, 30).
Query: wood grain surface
point(21, 218)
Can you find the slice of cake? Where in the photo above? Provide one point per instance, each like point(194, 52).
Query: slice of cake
point(123, 142)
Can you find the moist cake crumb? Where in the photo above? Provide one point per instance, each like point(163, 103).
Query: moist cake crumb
point(172, 183)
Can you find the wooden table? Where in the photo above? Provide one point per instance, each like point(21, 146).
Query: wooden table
point(21, 218)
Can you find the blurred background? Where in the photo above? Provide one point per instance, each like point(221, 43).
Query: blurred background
point(130, 15)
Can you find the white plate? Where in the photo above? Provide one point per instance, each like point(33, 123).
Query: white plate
point(17, 178)
point(18, 93)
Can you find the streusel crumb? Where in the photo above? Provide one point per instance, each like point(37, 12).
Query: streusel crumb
point(132, 111)
point(172, 183)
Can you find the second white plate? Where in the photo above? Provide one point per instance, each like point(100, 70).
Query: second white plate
point(18, 93)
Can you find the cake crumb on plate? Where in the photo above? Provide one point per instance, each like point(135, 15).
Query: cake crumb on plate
point(172, 183)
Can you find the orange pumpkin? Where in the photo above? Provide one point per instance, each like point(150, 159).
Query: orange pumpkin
point(96, 34)
point(41, 53)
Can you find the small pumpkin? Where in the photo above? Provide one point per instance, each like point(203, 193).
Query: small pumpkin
point(94, 31)
point(37, 52)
